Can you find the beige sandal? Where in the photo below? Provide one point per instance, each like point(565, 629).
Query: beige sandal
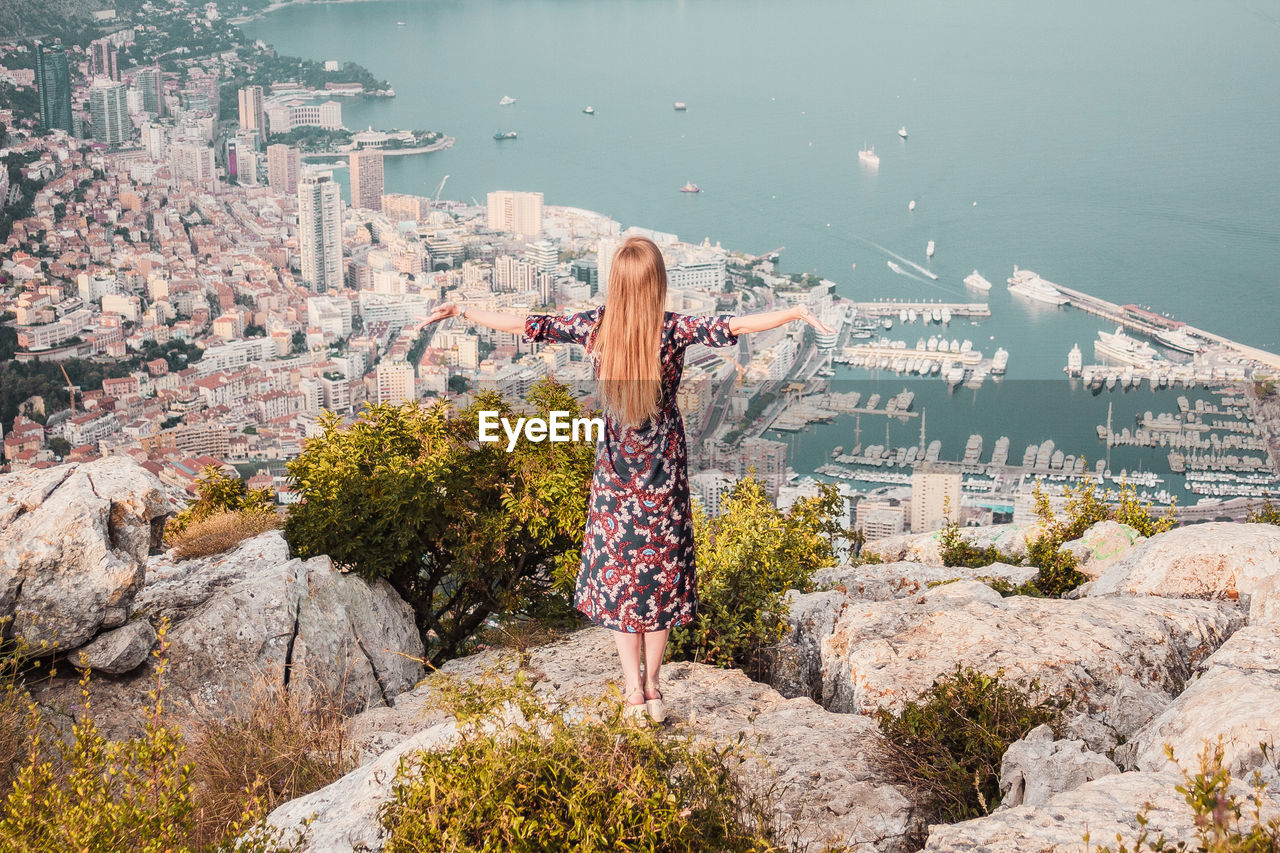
point(634, 712)
point(655, 707)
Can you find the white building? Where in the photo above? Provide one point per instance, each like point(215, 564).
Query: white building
point(193, 161)
point(935, 498)
point(283, 118)
point(109, 108)
point(515, 212)
point(880, 519)
point(395, 382)
point(320, 231)
point(283, 166)
point(253, 111)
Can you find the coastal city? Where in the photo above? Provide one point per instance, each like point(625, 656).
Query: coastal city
point(184, 282)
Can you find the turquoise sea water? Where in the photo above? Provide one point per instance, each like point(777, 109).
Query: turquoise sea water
point(1127, 150)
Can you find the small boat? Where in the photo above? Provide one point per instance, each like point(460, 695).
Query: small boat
point(690, 187)
point(400, 23)
point(928, 250)
point(902, 131)
point(868, 157)
point(505, 134)
point(679, 106)
point(911, 205)
point(887, 323)
point(896, 268)
point(506, 101)
point(589, 110)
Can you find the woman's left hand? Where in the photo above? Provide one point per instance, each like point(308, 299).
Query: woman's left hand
point(803, 313)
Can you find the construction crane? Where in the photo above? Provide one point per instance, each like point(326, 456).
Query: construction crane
point(71, 389)
point(440, 189)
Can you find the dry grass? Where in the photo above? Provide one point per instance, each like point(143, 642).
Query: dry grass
point(274, 746)
point(220, 532)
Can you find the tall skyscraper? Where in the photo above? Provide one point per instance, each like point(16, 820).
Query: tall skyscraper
point(935, 498)
point(518, 213)
point(366, 179)
point(109, 108)
point(104, 59)
point(544, 256)
point(147, 82)
point(253, 111)
point(193, 161)
point(320, 231)
point(283, 164)
point(53, 80)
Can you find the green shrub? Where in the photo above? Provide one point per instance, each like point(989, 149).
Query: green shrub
point(1224, 822)
point(581, 779)
point(216, 493)
point(461, 529)
point(1058, 571)
point(946, 747)
point(90, 793)
point(748, 558)
point(1267, 515)
point(1136, 514)
point(957, 550)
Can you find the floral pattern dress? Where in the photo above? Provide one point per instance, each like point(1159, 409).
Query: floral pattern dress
point(637, 571)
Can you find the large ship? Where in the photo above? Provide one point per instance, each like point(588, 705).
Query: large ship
point(976, 281)
point(868, 156)
point(1000, 361)
point(1027, 284)
point(1121, 348)
point(1176, 339)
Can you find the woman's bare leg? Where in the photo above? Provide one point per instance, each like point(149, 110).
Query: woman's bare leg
point(629, 646)
point(655, 647)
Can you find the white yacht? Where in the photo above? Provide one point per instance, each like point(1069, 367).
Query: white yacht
point(1075, 361)
point(946, 315)
point(902, 131)
point(911, 205)
point(868, 157)
point(1030, 285)
point(506, 101)
point(977, 282)
point(1176, 339)
point(928, 250)
point(589, 110)
point(1121, 348)
point(1000, 361)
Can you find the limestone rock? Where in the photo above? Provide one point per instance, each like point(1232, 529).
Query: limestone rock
point(253, 618)
point(1237, 698)
point(924, 547)
point(120, 649)
point(1218, 560)
point(1096, 651)
point(1037, 767)
point(1102, 808)
point(1101, 545)
point(828, 785)
point(73, 544)
point(885, 581)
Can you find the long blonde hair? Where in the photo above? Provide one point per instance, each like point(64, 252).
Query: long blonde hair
point(626, 342)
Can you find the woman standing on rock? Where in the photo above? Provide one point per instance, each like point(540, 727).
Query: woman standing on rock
point(637, 577)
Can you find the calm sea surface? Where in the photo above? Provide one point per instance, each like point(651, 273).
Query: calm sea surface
point(1127, 150)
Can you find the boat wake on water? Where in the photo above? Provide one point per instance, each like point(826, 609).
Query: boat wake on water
point(911, 264)
point(900, 271)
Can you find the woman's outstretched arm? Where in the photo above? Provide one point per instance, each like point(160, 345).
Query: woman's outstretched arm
point(773, 319)
point(513, 323)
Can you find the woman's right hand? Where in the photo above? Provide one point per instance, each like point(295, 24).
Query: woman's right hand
point(803, 313)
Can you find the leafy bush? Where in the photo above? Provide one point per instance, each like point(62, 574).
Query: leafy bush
point(946, 746)
point(1221, 821)
point(748, 558)
point(218, 493)
point(461, 529)
point(1059, 571)
point(580, 779)
point(1267, 515)
point(1133, 512)
point(957, 550)
point(90, 793)
point(220, 532)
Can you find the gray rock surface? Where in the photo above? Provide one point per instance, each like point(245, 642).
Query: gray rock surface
point(1097, 651)
point(1236, 698)
point(253, 618)
point(924, 547)
point(829, 788)
point(1102, 808)
point(885, 581)
point(74, 541)
point(1037, 767)
point(1102, 545)
point(1218, 560)
point(120, 649)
